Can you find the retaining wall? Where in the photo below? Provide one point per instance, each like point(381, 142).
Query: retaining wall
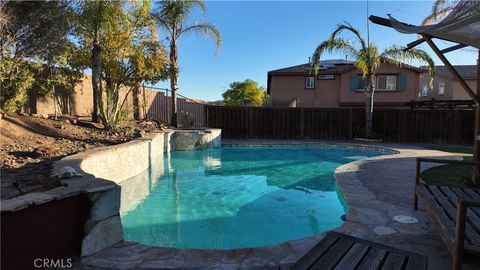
point(107, 175)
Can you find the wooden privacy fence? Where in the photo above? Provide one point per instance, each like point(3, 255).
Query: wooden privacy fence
point(157, 104)
point(398, 125)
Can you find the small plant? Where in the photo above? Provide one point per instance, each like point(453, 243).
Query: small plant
point(122, 117)
point(187, 119)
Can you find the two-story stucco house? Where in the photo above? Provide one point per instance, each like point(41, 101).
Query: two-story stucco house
point(339, 84)
point(445, 86)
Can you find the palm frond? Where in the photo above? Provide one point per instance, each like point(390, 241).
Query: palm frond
point(162, 22)
point(368, 60)
point(173, 15)
point(207, 30)
point(398, 56)
point(333, 45)
point(346, 26)
point(192, 4)
point(166, 14)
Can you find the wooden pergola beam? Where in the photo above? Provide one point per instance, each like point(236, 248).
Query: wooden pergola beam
point(450, 67)
point(414, 44)
point(456, 75)
point(444, 51)
point(466, 87)
point(453, 48)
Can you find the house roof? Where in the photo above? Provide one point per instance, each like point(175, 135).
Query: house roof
point(326, 66)
point(333, 66)
point(467, 72)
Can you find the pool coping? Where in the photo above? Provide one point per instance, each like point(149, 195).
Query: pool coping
point(126, 255)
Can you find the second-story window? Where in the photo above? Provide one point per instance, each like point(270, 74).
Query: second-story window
point(310, 82)
point(441, 88)
point(387, 82)
point(424, 91)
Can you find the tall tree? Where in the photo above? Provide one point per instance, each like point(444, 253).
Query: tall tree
point(367, 58)
point(46, 27)
point(15, 78)
point(130, 54)
point(174, 16)
point(246, 93)
point(95, 18)
point(35, 39)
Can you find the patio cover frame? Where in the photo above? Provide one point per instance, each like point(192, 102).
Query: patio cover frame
point(441, 54)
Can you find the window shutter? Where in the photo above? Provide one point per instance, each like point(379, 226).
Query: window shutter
point(353, 83)
point(360, 82)
point(402, 82)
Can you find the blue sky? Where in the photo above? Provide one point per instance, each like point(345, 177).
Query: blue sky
point(259, 36)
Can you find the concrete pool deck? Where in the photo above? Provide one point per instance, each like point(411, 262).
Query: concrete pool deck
point(376, 189)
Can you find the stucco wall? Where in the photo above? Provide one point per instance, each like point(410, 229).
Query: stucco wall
point(459, 93)
point(453, 89)
point(325, 94)
point(411, 92)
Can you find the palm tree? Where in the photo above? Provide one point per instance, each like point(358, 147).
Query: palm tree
point(94, 17)
point(367, 58)
point(174, 17)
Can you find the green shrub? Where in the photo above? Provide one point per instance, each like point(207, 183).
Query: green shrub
point(187, 119)
point(14, 87)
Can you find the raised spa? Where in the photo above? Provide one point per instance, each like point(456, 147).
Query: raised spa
point(236, 197)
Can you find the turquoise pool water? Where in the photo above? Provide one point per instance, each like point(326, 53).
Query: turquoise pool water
point(235, 197)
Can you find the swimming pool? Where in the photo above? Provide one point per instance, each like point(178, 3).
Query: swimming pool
point(236, 197)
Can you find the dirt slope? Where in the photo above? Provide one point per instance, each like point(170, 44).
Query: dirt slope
point(29, 146)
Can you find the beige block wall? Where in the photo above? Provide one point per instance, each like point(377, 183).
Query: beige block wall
point(81, 102)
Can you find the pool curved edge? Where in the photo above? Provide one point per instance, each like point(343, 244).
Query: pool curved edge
point(277, 255)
